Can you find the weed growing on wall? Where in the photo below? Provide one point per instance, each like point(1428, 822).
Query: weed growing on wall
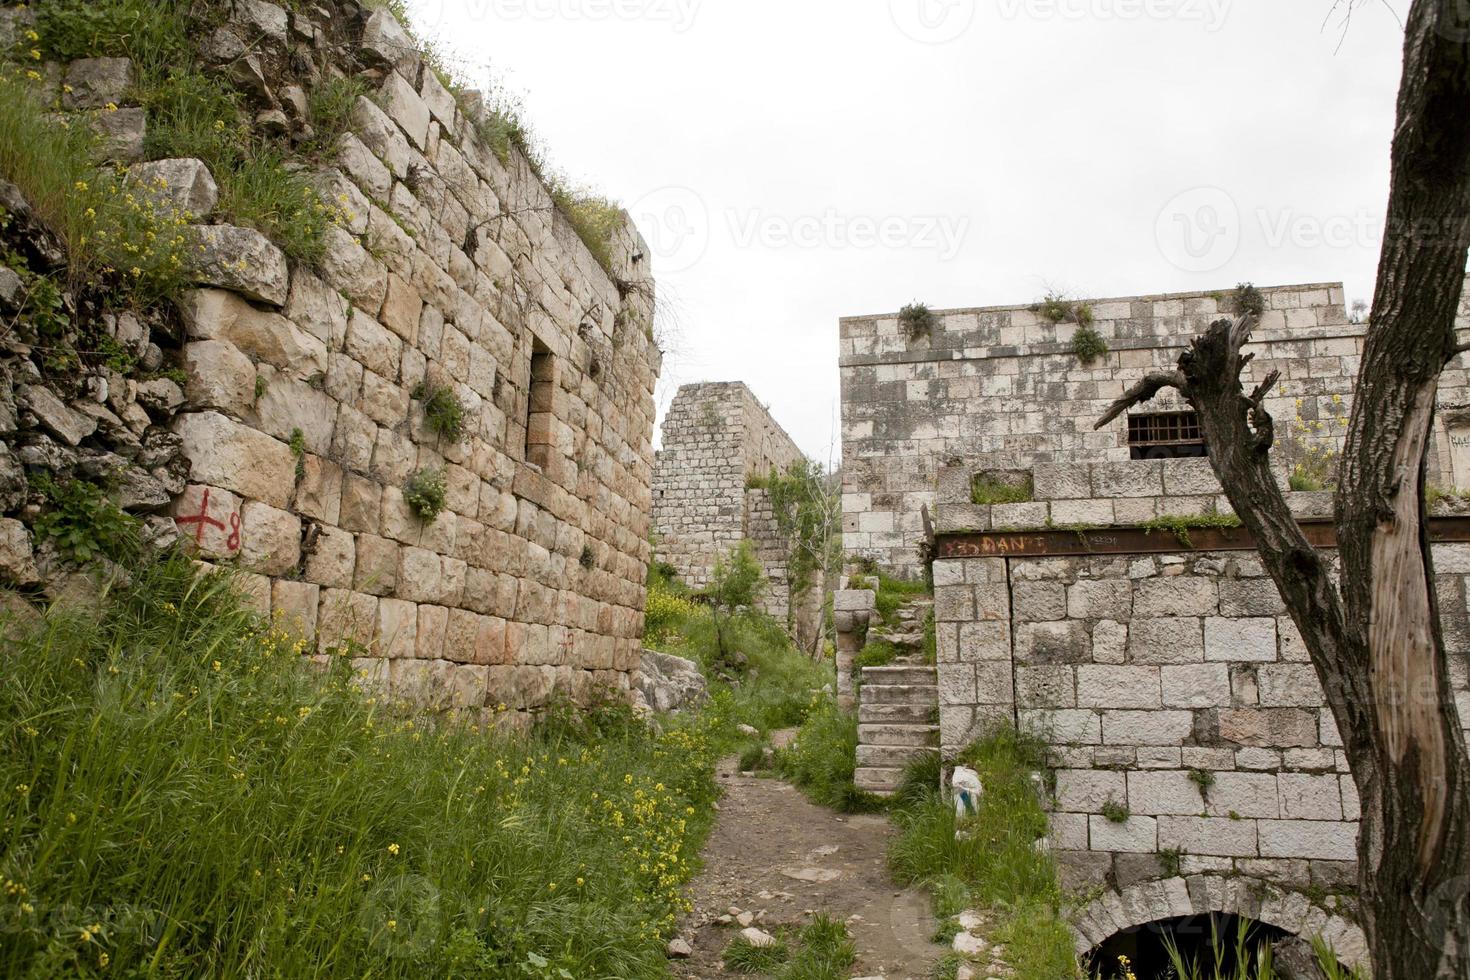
point(917, 321)
point(425, 494)
point(1247, 299)
point(999, 488)
point(1180, 525)
point(1088, 344)
point(594, 218)
point(443, 411)
point(82, 521)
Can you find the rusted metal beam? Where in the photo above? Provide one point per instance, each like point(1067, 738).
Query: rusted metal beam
point(1143, 541)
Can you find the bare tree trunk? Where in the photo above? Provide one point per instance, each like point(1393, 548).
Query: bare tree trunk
point(1377, 643)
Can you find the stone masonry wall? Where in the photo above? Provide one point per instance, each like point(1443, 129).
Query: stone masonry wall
point(1171, 688)
point(716, 436)
point(300, 422)
point(1001, 388)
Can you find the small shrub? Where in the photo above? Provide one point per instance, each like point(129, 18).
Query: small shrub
point(1055, 307)
point(1203, 779)
point(83, 522)
point(425, 494)
point(1088, 344)
point(824, 951)
point(329, 107)
point(1247, 299)
point(1180, 525)
point(1082, 313)
point(298, 449)
point(995, 488)
point(1170, 861)
point(917, 321)
point(443, 411)
point(1115, 811)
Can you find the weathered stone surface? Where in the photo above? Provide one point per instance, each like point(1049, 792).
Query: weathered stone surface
point(270, 539)
point(213, 314)
point(385, 39)
point(1240, 639)
point(183, 185)
point(242, 260)
point(667, 683)
point(17, 556)
point(120, 132)
point(227, 454)
point(94, 83)
point(52, 413)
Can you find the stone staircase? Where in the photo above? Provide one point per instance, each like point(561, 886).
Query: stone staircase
point(898, 709)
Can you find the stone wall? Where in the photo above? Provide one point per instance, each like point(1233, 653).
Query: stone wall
point(302, 419)
point(1185, 722)
point(716, 436)
point(1000, 388)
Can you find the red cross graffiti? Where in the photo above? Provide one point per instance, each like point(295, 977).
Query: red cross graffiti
point(202, 520)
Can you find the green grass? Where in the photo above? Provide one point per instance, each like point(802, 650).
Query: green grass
point(195, 112)
point(877, 653)
point(824, 951)
point(1181, 525)
point(778, 685)
point(183, 798)
point(990, 488)
point(822, 760)
point(744, 956)
point(594, 218)
point(995, 864)
point(892, 593)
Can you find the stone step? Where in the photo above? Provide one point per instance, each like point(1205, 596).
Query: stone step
point(896, 714)
point(892, 756)
point(925, 694)
point(899, 674)
point(920, 735)
point(878, 780)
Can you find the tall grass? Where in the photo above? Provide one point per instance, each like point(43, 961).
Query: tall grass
point(822, 760)
point(109, 226)
point(993, 859)
point(182, 798)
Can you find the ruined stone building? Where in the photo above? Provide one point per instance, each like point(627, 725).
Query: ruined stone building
point(302, 422)
point(719, 444)
point(1198, 768)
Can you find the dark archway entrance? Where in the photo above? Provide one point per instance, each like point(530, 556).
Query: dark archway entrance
point(1217, 938)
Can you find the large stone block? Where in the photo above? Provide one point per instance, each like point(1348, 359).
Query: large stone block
point(213, 314)
point(1289, 686)
point(1311, 839)
point(242, 260)
point(1269, 727)
point(1134, 478)
point(1196, 686)
point(219, 376)
point(1178, 596)
point(1147, 727)
point(1065, 642)
point(397, 628)
point(1310, 797)
point(1087, 790)
point(1164, 792)
point(1117, 687)
point(1250, 640)
point(224, 453)
point(1100, 599)
point(270, 539)
point(1136, 835)
point(182, 185)
point(1220, 836)
point(1046, 687)
point(1177, 640)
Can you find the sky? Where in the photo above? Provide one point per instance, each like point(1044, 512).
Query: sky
point(795, 162)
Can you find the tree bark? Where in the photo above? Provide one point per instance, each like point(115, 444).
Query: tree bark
point(1377, 644)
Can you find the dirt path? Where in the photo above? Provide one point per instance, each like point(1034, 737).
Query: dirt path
point(772, 852)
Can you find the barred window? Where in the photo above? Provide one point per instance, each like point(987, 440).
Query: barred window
point(1165, 435)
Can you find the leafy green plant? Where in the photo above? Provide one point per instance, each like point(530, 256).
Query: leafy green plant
point(917, 321)
point(83, 523)
point(1083, 314)
point(329, 107)
point(1088, 345)
point(876, 653)
point(1203, 779)
point(807, 506)
point(1114, 811)
point(1055, 307)
point(735, 582)
point(426, 493)
point(1180, 525)
point(298, 450)
point(989, 488)
point(1170, 861)
point(443, 411)
point(824, 951)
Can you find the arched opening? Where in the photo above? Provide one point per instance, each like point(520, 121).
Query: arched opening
point(1217, 942)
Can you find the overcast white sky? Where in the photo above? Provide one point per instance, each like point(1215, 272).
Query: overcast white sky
point(794, 161)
